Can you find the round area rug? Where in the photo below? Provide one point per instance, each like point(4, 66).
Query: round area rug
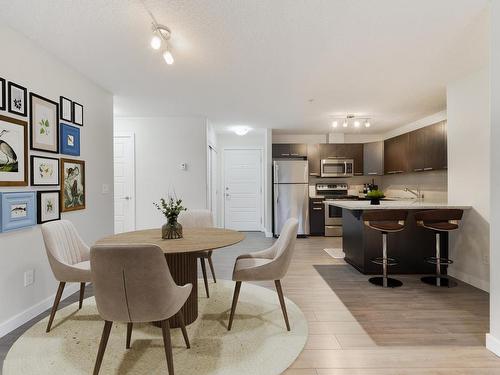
point(257, 344)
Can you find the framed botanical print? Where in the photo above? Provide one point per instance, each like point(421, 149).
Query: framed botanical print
point(77, 114)
point(66, 107)
point(72, 185)
point(2, 94)
point(18, 96)
point(44, 124)
point(13, 152)
point(48, 206)
point(18, 210)
point(44, 171)
point(70, 139)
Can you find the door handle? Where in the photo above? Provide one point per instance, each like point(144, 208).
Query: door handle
point(127, 198)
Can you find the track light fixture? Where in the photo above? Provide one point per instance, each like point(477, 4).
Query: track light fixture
point(161, 35)
point(351, 119)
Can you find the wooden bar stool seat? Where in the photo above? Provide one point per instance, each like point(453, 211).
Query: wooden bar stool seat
point(439, 221)
point(385, 221)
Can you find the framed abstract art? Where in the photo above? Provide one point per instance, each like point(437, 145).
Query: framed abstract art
point(18, 96)
point(2, 94)
point(66, 108)
point(72, 185)
point(70, 139)
point(77, 114)
point(44, 171)
point(44, 124)
point(18, 210)
point(48, 206)
point(13, 152)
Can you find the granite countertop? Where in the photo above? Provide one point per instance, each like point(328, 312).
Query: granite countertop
point(394, 205)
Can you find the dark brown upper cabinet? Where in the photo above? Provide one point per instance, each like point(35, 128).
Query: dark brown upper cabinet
point(313, 159)
point(289, 150)
point(373, 158)
point(396, 154)
point(428, 148)
point(344, 151)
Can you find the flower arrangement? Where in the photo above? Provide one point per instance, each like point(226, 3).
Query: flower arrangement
point(171, 208)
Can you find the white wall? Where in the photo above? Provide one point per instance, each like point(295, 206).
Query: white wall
point(24, 63)
point(468, 107)
point(161, 145)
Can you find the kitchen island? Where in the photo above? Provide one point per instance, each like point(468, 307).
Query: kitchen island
point(410, 246)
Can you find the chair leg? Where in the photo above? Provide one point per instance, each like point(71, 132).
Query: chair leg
point(165, 328)
point(56, 304)
point(82, 294)
point(211, 264)
point(204, 271)
point(183, 329)
point(282, 302)
point(129, 334)
point(235, 302)
point(102, 346)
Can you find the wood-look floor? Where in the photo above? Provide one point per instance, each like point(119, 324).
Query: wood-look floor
point(356, 328)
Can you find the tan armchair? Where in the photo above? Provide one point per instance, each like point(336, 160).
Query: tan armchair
point(200, 219)
point(132, 284)
point(269, 264)
point(68, 257)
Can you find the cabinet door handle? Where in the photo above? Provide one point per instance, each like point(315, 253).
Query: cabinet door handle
point(317, 209)
point(372, 173)
point(417, 170)
point(428, 169)
point(285, 154)
point(295, 154)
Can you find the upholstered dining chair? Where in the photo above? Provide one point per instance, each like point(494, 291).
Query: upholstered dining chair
point(200, 219)
point(68, 258)
point(269, 264)
point(133, 284)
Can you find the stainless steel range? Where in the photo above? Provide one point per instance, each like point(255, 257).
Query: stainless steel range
point(333, 215)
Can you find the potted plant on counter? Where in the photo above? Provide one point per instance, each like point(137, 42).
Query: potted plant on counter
point(170, 208)
point(375, 196)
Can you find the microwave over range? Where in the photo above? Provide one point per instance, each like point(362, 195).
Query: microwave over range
point(336, 167)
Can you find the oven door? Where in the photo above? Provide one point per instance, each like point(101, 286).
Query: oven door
point(333, 215)
point(336, 167)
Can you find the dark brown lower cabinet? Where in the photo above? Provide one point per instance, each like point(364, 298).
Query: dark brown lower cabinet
point(317, 216)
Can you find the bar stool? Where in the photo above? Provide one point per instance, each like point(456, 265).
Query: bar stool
point(439, 221)
point(385, 221)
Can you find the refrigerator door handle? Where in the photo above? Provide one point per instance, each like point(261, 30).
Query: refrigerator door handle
point(276, 167)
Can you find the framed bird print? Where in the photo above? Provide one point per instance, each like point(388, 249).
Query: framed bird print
point(77, 114)
point(72, 185)
point(2, 94)
point(48, 206)
point(13, 152)
point(70, 139)
point(18, 210)
point(66, 107)
point(18, 96)
point(44, 171)
point(44, 124)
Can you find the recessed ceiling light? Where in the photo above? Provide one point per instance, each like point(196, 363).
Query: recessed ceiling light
point(335, 124)
point(356, 124)
point(367, 124)
point(241, 130)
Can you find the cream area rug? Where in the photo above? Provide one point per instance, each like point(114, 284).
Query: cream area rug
point(257, 344)
point(336, 253)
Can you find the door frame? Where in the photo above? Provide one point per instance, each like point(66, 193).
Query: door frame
point(130, 135)
point(223, 183)
point(210, 178)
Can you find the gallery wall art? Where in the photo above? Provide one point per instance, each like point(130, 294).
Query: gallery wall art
point(77, 114)
point(66, 108)
point(18, 210)
point(44, 171)
point(18, 96)
point(44, 124)
point(2, 94)
point(13, 152)
point(70, 139)
point(48, 206)
point(72, 185)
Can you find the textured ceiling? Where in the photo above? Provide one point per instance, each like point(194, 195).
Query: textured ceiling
point(259, 62)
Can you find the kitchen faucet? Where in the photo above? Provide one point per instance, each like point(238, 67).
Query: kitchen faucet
point(417, 193)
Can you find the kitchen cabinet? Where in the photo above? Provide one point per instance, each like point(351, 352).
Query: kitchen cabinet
point(428, 148)
point(373, 157)
point(344, 151)
point(313, 159)
point(355, 151)
point(316, 217)
point(289, 150)
point(396, 154)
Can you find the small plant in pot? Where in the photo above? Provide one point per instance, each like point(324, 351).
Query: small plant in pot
point(170, 208)
point(375, 196)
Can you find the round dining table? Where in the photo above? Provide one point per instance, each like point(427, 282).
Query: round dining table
point(181, 256)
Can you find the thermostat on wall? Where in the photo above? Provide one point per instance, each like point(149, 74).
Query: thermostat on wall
point(183, 166)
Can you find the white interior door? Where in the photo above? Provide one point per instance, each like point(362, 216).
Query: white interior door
point(124, 165)
point(243, 189)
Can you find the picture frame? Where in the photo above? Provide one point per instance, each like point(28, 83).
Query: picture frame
point(18, 210)
point(48, 206)
point(66, 108)
point(2, 94)
point(77, 114)
point(70, 139)
point(13, 152)
point(44, 171)
point(44, 124)
point(72, 185)
point(18, 97)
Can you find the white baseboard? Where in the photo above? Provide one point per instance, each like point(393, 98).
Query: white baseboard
point(268, 234)
point(493, 344)
point(28, 314)
point(466, 278)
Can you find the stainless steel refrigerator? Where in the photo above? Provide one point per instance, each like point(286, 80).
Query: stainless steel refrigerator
point(291, 194)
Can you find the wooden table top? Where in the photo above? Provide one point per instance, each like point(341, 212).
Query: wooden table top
point(195, 239)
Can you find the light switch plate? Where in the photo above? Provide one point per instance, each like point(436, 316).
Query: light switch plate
point(105, 188)
point(183, 166)
point(29, 277)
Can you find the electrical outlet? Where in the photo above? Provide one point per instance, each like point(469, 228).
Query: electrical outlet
point(29, 277)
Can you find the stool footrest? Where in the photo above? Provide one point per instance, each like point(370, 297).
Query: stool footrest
point(434, 260)
point(390, 261)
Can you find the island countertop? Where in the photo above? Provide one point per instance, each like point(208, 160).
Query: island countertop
point(393, 205)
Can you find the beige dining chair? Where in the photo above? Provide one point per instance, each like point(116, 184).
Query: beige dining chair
point(200, 219)
point(133, 284)
point(68, 258)
point(265, 265)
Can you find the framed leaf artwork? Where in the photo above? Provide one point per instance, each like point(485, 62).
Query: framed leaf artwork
point(70, 139)
point(77, 114)
point(18, 96)
point(66, 107)
point(48, 206)
point(18, 210)
point(44, 124)
point(2, 94)
point(13, 152)
point(72, 185)
point(44, 171)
